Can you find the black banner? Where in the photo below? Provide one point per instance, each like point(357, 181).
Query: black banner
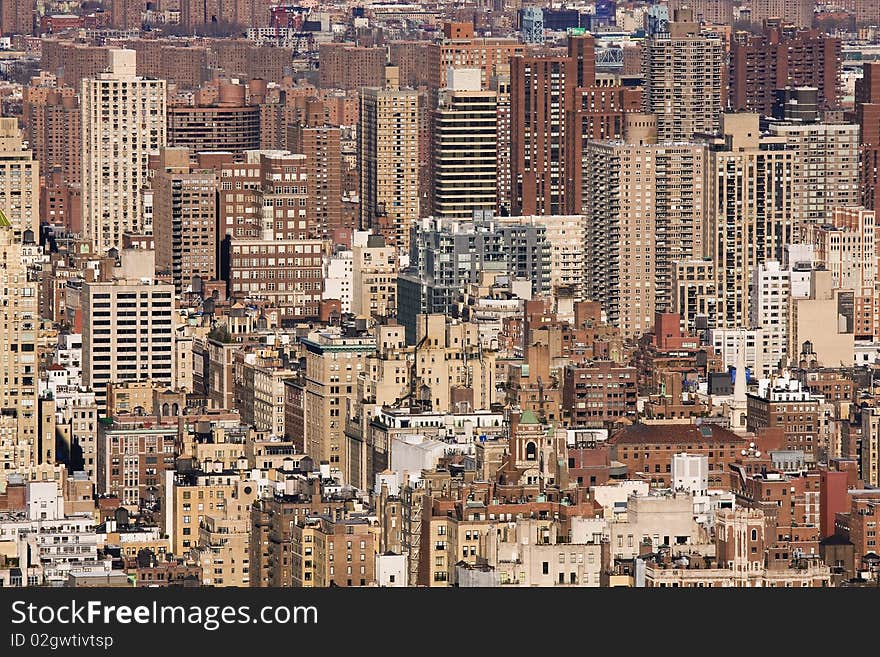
point(169, 621)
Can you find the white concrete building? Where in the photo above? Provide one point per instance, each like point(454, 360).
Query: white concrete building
point(391, 570)
point(123, 121)
point(412, 454)
point(339, 278)
point(771, 287)
point(127, 332)
point(46, 540)
point(690, 473)
point(658, 519)
point(764, 348)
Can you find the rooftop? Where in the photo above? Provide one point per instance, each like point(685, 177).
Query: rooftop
point(638, 434)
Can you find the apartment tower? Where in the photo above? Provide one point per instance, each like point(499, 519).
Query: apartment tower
point(541, 89)
point(184, 218)
point(683, 80)
point(647, 208)
point(388, 162)
point(127, 333)
point(123, 121)
point(19, 442)
point(754, 210)
point(19, 179)
point(322, 147)
point(781, 57)
point(867, 115)
point(465, 147)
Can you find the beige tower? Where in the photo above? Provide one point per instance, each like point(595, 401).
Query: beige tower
point(19, 449)
point(647, 209)
point(332, 363)
point(389, 162)
point(19, 179)
point(826, 169)
point(374, 276)
point(123, 121)
point(683, 80)
point(752, 189)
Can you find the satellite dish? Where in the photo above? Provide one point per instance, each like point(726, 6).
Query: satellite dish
point(751, 444)
point(757, 453)
point(743, 452)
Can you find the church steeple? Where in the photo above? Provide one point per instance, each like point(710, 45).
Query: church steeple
point(740, 402)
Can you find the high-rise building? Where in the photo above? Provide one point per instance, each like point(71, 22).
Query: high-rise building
point(752, 183)
point(246, 13)
point(545, 142)
point(864, 11)
point(597, 113)
point(184, 218)
point(565, 235)
point(332, 363)
point(126, 14)
point(867, 115)
point(769, 314)
point(647, 208)
point(465, 148)
point(846, 245)
point(322, 146)
point(52, 125)
point(272, 248)
point(684, 86)
point(184, 65)
point(388, 162)
point(460, 48)
point(346, 66)
point(539, 89)
point(19, 442)
point(500, 84)
point(796, 12)
point(719, 12)
point(374, 278)
point(424, 63)
point(17, 17)
point(229, 124)
point(127, 333)
point(446, 255)
point(826, 168)
point(19, 180)
point(781, 57)
point(123, 120)
point(72, 61)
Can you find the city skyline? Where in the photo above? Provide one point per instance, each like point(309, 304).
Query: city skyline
point(433, 295)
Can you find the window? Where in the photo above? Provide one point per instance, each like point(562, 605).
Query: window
point(545, 567)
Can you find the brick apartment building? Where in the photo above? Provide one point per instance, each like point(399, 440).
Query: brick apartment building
point(795, 410)
point(599, 394)
point(344, 66)
point(782, 57)
point(647, 449)
point(133, 456)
